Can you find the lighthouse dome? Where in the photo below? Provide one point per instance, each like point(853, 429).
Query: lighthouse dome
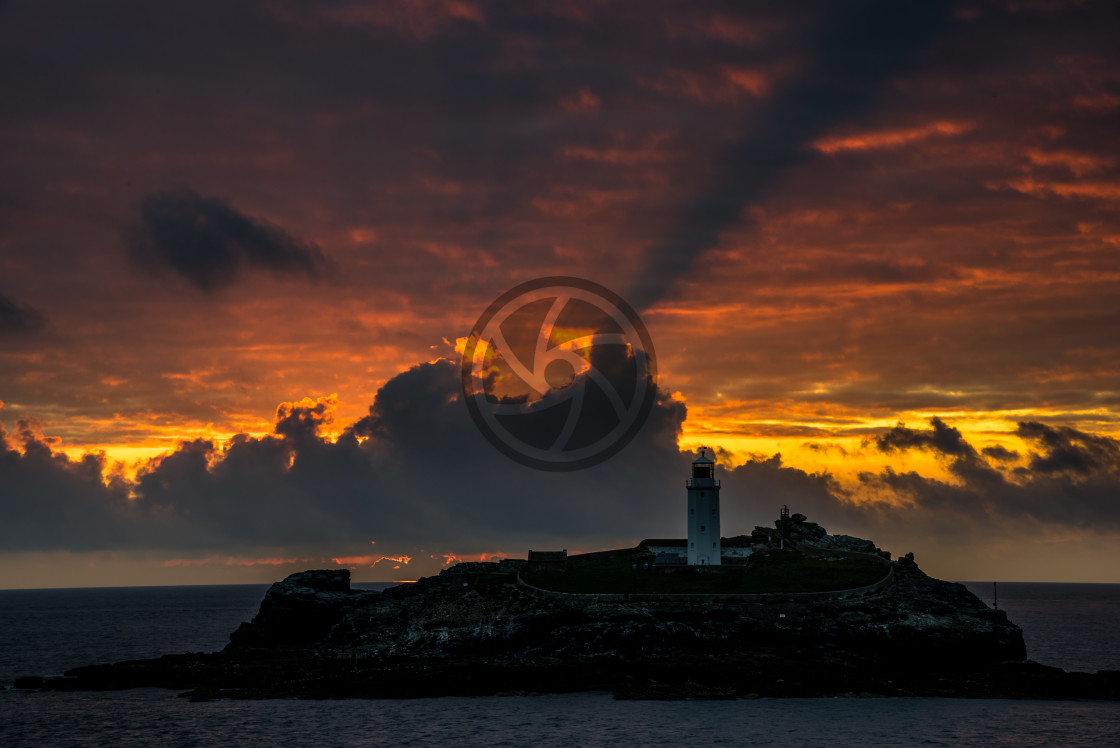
point(703, 458)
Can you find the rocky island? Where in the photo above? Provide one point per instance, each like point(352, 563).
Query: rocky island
point(485, 628)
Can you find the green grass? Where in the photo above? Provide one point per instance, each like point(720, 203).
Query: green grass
point(772, 571)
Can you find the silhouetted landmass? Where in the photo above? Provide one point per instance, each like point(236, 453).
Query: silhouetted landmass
point(477, 629)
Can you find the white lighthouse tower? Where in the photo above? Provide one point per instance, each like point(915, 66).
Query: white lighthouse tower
point(703, 512)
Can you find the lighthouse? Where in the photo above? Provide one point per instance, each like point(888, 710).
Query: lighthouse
point(703, 512)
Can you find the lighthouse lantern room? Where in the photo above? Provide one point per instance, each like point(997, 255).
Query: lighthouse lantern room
point(703, 512)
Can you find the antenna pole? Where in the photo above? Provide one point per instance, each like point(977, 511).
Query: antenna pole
point(784, 522)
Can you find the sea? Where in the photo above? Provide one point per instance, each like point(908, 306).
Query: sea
point(44, 632)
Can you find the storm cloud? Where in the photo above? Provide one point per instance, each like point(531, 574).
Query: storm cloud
point(1070, 479)
point(1067, 451)
point(939, 438)
point(210, 244)
point(416, 474)
point(853, 50)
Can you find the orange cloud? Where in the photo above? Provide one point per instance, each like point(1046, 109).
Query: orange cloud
point(617, 156)
point(370, 560)
point(582, 100)
point(749, 79)
point(319, 411)
point(451, 558)
point(1098, 190)
point(891, 138)
point(1097, 102)
point(724, 84)
point(1077, 163)
point(722, 27)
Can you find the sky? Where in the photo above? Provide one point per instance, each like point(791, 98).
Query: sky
point(875, 244)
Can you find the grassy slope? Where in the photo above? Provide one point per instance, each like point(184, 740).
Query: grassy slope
point(774, 571)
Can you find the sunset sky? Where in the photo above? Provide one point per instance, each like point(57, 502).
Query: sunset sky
point(876, 246)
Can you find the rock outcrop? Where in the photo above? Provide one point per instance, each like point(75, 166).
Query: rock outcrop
point(798, 531)
point(485, 614)
point(478, 629)
point(300, 611)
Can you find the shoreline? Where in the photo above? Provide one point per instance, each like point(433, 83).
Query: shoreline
point(266, 675)
point(469, 632)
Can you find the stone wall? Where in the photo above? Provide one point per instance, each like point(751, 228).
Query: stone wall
point(761, 597)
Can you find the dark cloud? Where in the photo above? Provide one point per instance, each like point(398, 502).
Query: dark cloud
point(416, 473)
point(940, 438)
point(1000, 453)
point(756, 491)
point(1069, 451)
point(17, 318)
point(826, 447)
point(1072, 480)
point(50, 502)
point(210, 244)
point(857, 47)
point(300, 422)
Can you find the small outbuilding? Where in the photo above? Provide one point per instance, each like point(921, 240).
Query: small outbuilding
point(547, 561)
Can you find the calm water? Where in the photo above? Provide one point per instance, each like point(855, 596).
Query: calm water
point(1071, 626)
point(47, 631)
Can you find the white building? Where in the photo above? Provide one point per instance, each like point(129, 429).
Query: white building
point(703, 512)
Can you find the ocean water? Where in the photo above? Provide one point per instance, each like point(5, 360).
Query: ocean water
point(44, 632)
point(1071, 626)
point(146, 717)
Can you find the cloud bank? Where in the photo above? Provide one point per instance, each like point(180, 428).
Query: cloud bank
point(417, 478)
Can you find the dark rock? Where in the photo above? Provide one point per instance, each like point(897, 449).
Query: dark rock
point(917, 621)
point(852, 543)
point(299, 611)
point(28, 681)
point(473, 567)
point(474, 631)
point(64, 684)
